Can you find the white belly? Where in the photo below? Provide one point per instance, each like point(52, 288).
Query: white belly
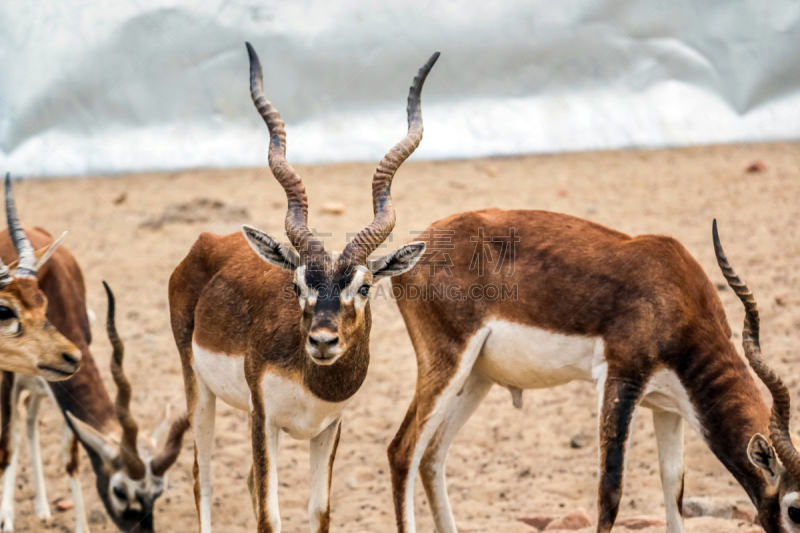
point(224, 375)
point(287, 404)
point(532, 358)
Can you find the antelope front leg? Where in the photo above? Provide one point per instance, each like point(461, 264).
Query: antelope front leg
point(266, 444)
point(618, 405)
point(10, 476)
point(203, 420)
point(70, 458)
point(42, 507)
point(669, 439)
point(323, 452)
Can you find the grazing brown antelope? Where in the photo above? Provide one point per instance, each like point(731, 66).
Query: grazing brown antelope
point(573, 300)
point(28, 342)
point(128, 480)
point(283, 334)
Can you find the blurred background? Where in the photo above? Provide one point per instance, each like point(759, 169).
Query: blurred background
point(130, 85)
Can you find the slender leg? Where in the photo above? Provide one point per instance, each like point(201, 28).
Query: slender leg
point(323, 452)
point(203, 431)
point(70, 458)
point(424, 416)
point(266, 443)
point(10, 477)
point(42, 507)
point(618, 405)
point(669, 439)
point(432, 467)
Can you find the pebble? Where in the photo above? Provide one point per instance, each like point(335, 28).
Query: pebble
point(332, 208)
point(639, 522)
point(63, 504)
point(572, 521)
point(539, 522)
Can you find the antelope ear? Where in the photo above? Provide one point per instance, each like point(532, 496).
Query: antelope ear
point(398, 261)
point(42, 254)
point(93, 439)
point(271, 250)
point(762, 454)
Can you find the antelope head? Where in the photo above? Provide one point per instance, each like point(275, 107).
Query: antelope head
point(331, 288)
point(775, 455)
point(131, 475)
point(29, 343)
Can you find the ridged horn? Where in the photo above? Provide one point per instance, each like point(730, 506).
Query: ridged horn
point(297, 214)
point(368, 239)
point(781, 399)
point(128, 448)
point(163, 461)
point(27, 261)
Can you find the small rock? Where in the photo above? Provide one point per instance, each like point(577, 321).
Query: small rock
point(457, 184)
point(120, 198)
point(757, 167)
point(572, 521)
point(332, 208)
point(580, 440)
point(744, 513)
point(780, 301)
point(97, 516)
point(639, 522)
point(722, 287)
point(63, 504)
point(539, 522)
point(351, 483)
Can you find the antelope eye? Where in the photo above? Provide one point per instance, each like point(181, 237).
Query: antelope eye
point(6, 313)
point(363, 290)
point(794, 514)
point(120, 494)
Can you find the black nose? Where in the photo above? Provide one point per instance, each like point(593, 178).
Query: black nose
point(323, 339)
point(69, 359)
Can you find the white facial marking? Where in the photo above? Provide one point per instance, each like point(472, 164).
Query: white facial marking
point(790, 499)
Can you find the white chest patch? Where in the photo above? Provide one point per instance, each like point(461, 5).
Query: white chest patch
point(533, 358)
point(287, 404)
point(292, 408)
point(666, 392)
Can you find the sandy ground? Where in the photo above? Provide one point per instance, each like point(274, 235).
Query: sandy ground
point(506, 463)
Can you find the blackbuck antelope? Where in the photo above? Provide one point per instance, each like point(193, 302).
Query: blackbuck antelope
point(637, 316)
point(294, 358)
point(128, 480)
point(28, 342)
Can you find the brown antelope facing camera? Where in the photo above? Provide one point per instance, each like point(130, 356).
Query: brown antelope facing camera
point(130, 476)
point(637, 316)
point(29, 344)
point(292, 359)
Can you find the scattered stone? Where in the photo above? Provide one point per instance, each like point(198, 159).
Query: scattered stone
point(757, 167)
point(572, 521)
point(63, 504)
point(639, 522)
point(97, 516)
point(197, 210)
point(332, 208)
point(539, 522)
point(740, 510)
point(120, 198)
point(780, 301)
point(722, 287)
point(580, 440)
point(457, 184)
point(351, 483)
